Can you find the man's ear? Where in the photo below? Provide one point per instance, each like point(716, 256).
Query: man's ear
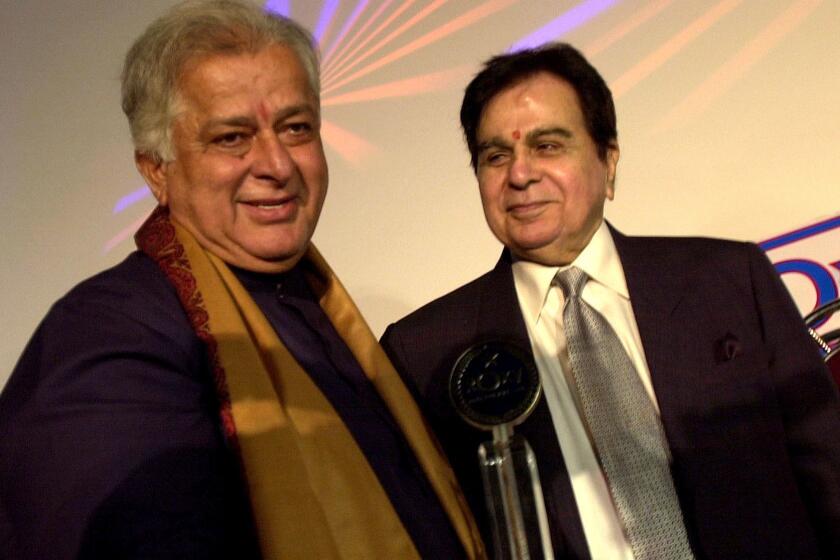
point(612, 165)
point(153, 169)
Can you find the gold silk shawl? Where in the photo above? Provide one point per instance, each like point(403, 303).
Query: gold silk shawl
point(312, 492)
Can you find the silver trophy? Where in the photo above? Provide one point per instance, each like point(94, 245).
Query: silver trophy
point(494, 386)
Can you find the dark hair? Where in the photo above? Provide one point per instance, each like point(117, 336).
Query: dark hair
point(559, 59)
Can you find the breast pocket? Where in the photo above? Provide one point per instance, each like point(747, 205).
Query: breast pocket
point(736, 401)
point(752, 366)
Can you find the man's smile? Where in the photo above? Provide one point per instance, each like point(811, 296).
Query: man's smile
point(527, 209)
point(271, 209)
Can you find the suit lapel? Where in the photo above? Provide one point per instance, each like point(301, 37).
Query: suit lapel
point(654, 295)
point(656, 290)
point(500, 317)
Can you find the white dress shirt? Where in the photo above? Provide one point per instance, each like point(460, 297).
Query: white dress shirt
point(542, 308)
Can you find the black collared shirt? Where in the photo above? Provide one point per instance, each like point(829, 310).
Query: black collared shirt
point(304, 328)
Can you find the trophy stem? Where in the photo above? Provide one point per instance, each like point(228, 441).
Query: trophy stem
point(511, 503)
point(514, 497)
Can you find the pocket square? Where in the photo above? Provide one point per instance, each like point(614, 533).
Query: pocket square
point(727, 348)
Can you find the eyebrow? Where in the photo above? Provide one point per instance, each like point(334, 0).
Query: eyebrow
point(244, 121)
point(232, 121)
point(295, 110)
point(495, 142)
point(531, 137)
point(554, 130)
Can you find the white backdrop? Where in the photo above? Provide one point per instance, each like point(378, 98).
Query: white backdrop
point(729, 125)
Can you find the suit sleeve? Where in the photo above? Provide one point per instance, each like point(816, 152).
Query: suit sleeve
point(392, 345)
point(109, 447)
point(808, 399)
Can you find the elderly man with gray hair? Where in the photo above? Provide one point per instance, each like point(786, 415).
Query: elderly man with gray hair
point(217, 394)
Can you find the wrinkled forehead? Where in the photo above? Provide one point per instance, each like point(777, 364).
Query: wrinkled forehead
point(205, 78)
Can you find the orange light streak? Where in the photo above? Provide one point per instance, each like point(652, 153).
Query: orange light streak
point(414, 20)
point(353, 148)
point(660, 56)
point(618, 32)
point(349, 28)
point(336, 66)
point(468, 18)
point(724, 77)
point(411, 86)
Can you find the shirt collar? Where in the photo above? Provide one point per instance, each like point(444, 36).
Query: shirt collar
point(599, 259)
point(290, 283)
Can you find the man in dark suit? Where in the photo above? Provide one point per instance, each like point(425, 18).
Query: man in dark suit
point(748, 417)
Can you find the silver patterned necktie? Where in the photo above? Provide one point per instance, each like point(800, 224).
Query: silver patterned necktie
point(625, 427)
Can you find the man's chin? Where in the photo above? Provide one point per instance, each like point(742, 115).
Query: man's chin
point(262, 259)
point(549, 254)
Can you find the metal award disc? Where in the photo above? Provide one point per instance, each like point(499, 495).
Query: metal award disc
point(494, 383)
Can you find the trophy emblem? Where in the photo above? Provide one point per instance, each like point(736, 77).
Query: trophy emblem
point(494, 386)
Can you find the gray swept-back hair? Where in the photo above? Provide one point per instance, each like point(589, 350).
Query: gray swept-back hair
point(193, 29)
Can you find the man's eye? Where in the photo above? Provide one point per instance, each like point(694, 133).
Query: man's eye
point(297, 132)
point(230, 140)
point(547, 147)
point(495, 158)
point(299, 128)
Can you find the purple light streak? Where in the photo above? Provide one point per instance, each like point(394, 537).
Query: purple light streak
point(325, 19)
point(280, 7)
point(564, 23)
point(131, 198)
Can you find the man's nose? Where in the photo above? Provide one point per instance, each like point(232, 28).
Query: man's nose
point(272, 160)
point(522, 171)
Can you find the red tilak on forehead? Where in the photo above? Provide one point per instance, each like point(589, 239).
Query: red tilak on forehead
point(263, 110)
point(516, 135)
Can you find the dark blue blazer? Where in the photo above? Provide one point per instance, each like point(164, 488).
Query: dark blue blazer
point(109, 432)
point(751, 415)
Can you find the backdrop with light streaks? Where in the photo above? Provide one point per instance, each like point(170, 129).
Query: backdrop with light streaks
point(727, 111)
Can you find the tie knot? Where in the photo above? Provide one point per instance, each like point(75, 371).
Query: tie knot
point(571, 281)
